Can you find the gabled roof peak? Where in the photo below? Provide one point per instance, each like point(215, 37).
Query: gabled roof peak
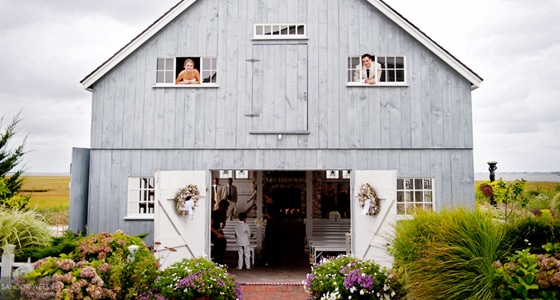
point(383, 7)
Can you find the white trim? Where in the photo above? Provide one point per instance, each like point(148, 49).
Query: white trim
point(89, 80)
point(380, 84)
point(187, 86)
point(286, 36)
point(385, 9)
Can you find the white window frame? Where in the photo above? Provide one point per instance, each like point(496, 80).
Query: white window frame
point(414, 193)
point(166, 71)
point(141, 197)
point(279, 31)
point(397, 69)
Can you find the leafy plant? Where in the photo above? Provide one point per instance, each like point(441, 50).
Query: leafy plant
point(346, 277)
point(510, 195)
point(530, 276)
point(64, 244)
point(450, 254)
point(101, 267)
point(533, 232)
point(191, 278)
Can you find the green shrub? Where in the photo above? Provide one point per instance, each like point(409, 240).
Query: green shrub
point(101, 266)
point(449, 255)
point(64, 244)
point(530, 276)
point(533, 232)
point(23, 229)
point(191, 278)
point(346, 277)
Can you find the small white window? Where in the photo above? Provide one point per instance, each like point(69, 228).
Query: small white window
point(280, 31)
point(165, 72)
point(141, 196)
point(374, 70)
point(241, 174)
point(169, 68)
point(414, 193)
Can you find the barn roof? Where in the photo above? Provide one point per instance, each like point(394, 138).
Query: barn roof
point(383, 7)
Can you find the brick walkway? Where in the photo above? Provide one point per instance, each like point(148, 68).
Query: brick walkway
point(273, 291)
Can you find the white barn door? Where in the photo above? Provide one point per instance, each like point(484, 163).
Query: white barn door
point(369, 233)
point(177, 236)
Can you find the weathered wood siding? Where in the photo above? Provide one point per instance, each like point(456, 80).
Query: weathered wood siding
point(423, 129)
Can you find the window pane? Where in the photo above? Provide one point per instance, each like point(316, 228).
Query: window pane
point(169, 63)
point(400, 76)
point(160, 77)
point(400, 62)
point(160, 64)
point(428, 197)
point(400, 209)
point(418, 196)
point(169, 76)
point(400, 196)
point(418, 184)
point(259, 30)
point(400, 184)
point(276, 30)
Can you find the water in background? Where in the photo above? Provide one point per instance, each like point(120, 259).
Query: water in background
point(529, 176)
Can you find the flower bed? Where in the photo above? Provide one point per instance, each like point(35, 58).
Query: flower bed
point(346, 277)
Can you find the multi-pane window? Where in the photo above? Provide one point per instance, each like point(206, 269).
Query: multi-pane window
point(391, 69)
point(239, 174)
point(279, 31)
point(141, 196)
point(414, 194)
point(168, 68)
point(165, 72)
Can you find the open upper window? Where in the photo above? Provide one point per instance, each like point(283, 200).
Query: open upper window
point(370, 70)
point(268, 31)
point(201, 70)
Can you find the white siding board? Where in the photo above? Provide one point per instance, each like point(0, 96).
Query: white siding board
point(129, 102)
point(436, 99)
point(140, 91)
point(426, 99)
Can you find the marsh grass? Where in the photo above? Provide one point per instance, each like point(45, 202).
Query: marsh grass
point(50, 196)
point(449, 255)
point(47, 192)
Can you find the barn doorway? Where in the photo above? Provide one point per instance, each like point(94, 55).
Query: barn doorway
point(302, 197)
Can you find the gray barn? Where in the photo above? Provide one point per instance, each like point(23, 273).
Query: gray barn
point(277, 107)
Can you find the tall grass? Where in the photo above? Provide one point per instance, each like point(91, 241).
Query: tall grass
point(23, 229)
point(449, 255)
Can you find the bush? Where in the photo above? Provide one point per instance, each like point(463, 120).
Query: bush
point(346, 277)
point(449, 255)
point(64, 244)
point(191, 278)
point(530, 276)
point(100, 267)
point(533, 232)
point(23, 229)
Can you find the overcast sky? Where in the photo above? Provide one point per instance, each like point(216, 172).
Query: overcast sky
point(47, 47)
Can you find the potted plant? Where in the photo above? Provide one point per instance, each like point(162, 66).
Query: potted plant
point(195, 278)
point(347, 277)
point(334, 215)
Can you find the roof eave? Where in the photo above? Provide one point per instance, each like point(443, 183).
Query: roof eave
point(135, 43)
point(420, 36)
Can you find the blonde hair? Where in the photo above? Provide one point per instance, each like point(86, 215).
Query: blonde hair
point(188, 60)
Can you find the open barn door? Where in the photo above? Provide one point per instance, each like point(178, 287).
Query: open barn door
point(370, 233)
point(178, 236)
